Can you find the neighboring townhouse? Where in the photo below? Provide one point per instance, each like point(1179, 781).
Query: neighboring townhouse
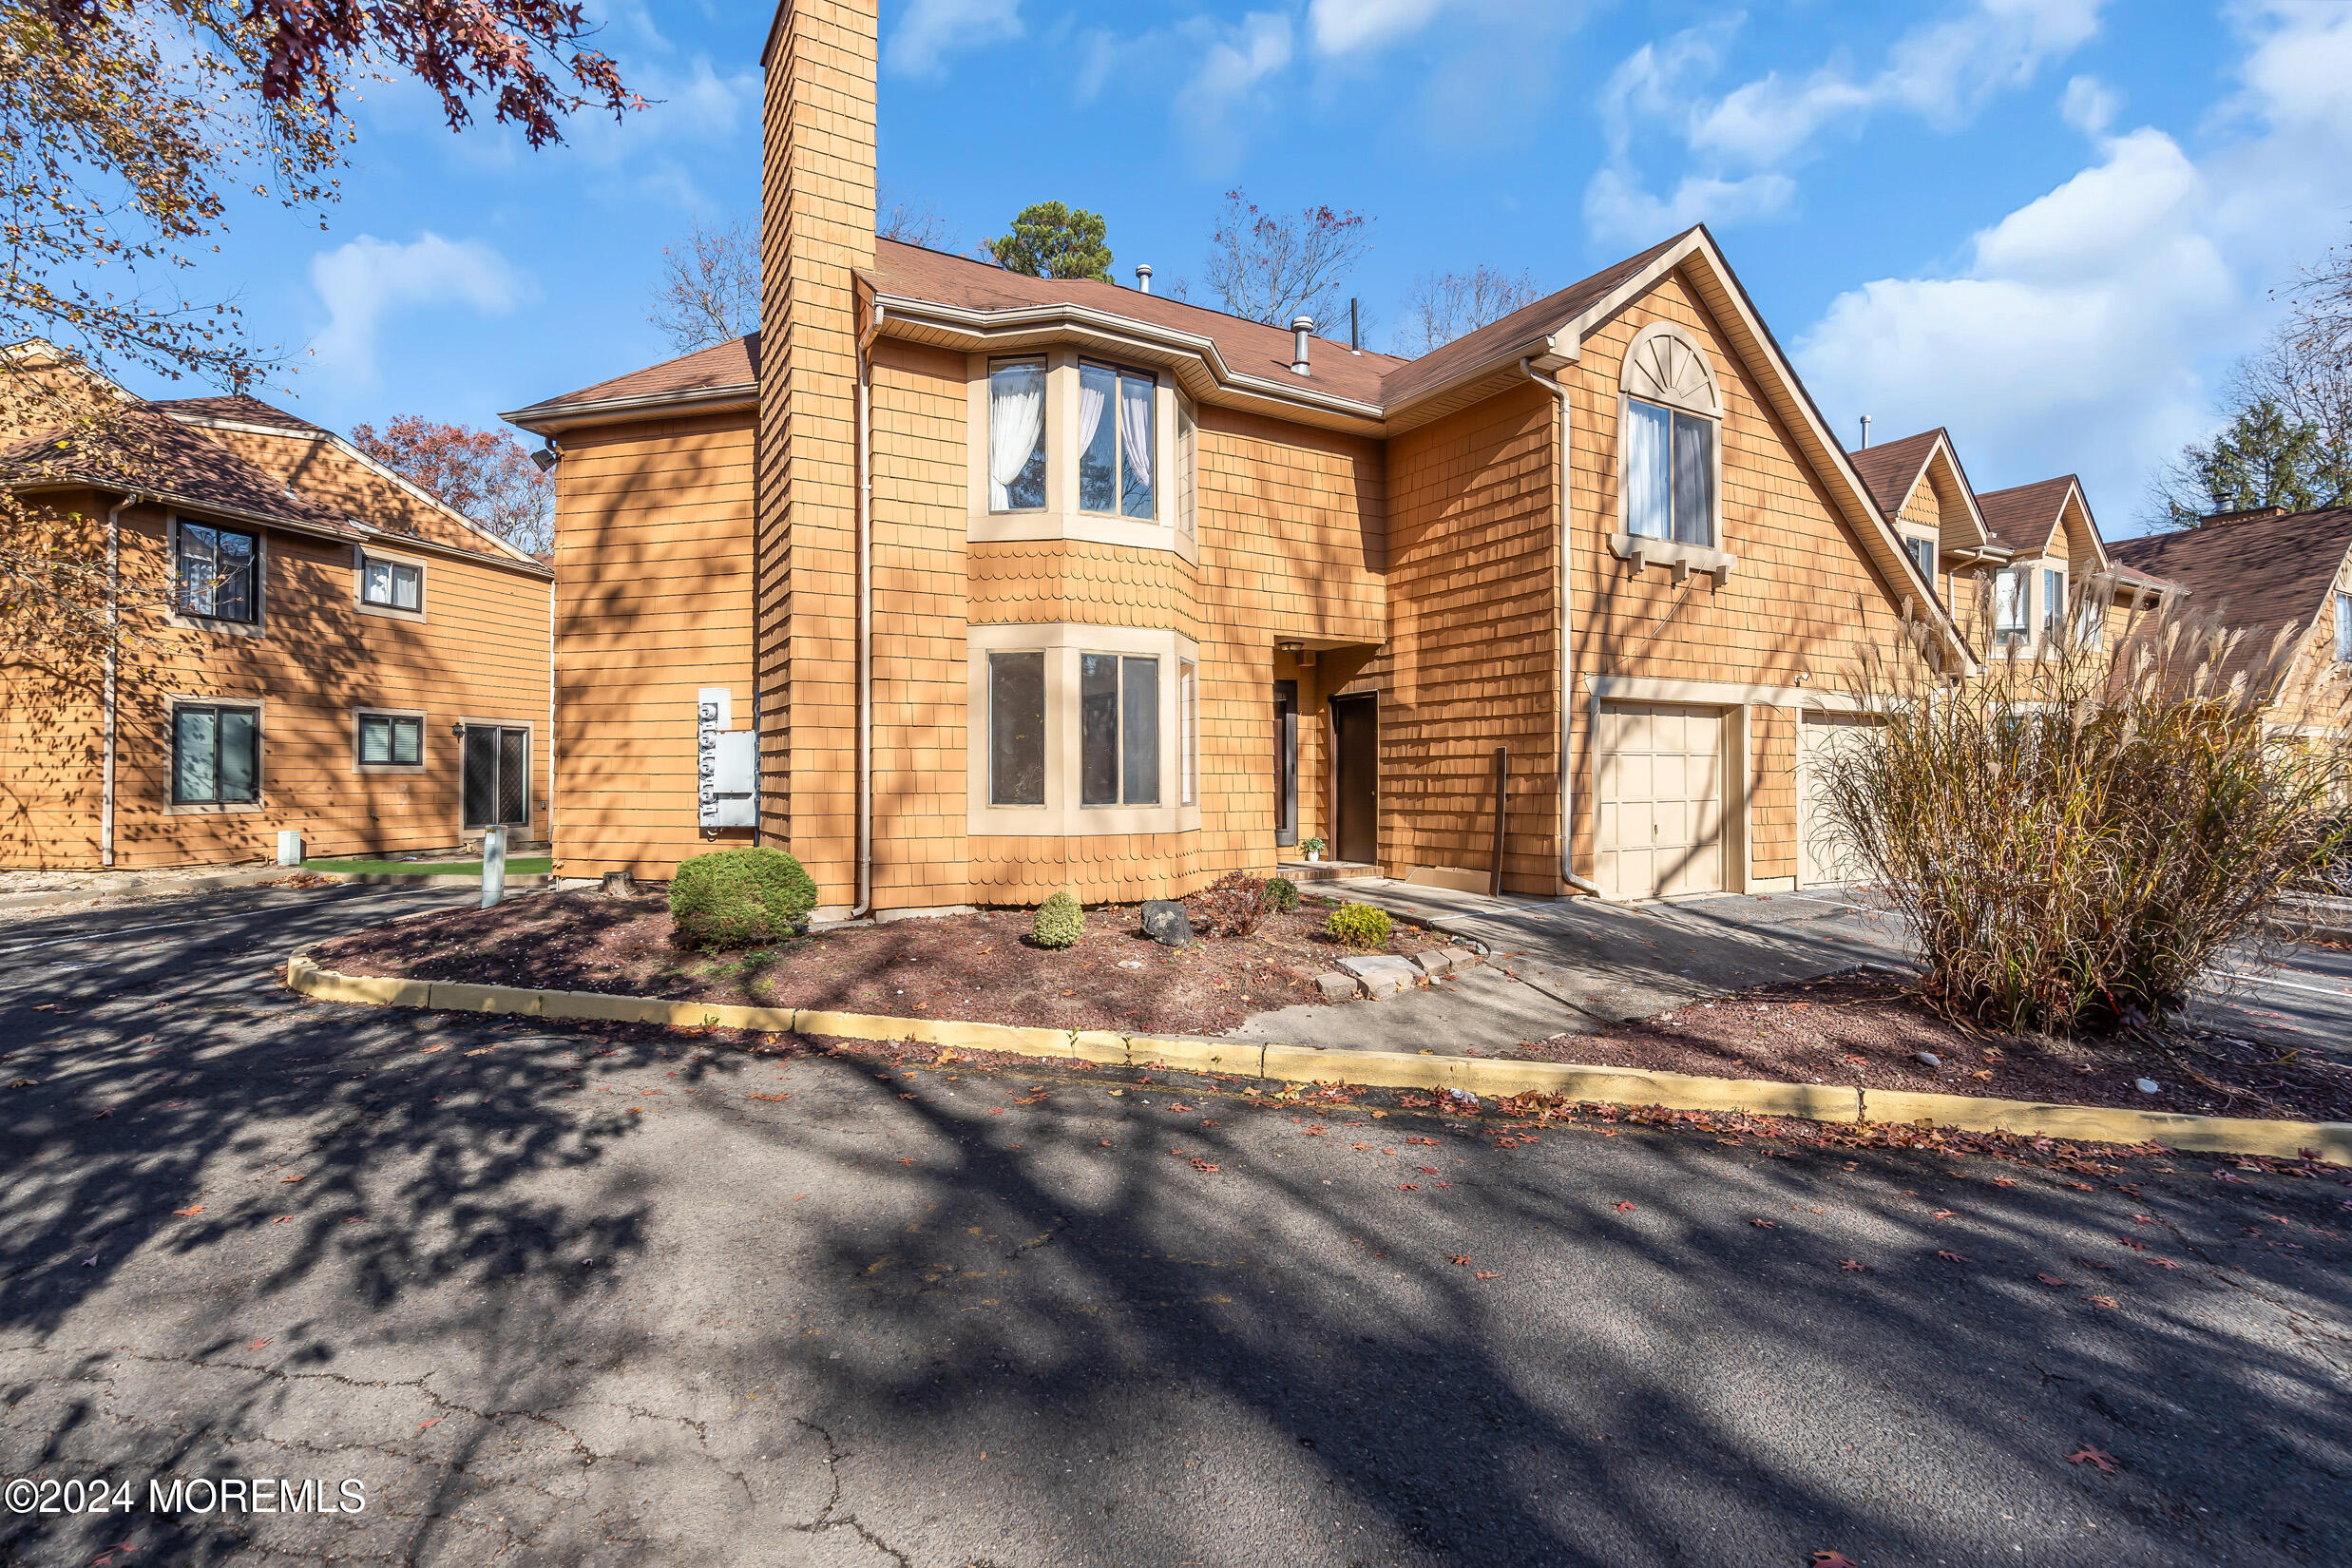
point(966, 585)
point(2017, 567)
point(309, 643)
point(2269, 574)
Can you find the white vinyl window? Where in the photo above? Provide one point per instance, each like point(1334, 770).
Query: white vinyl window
point(392, 585)
point(1117, 437)
point(1670, 473)
point(2343, 627)
point(2011, 622)
point(1188, 444)
point(1924, 553)
point(1119, 730)
point(1017, 435)
point(1017, 729)
point(2053, 606)
point(1188, 733)
point(391, 741)
point(2089, 617)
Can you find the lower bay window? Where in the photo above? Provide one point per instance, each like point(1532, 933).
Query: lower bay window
point(1081, 730)
point(216, 754)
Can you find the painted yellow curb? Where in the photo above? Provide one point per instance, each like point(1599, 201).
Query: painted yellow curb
point(2330, 1141)
point(2228, 1135)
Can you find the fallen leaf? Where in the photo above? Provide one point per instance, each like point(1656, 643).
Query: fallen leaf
point(1949, 1257)
point(435, 1422)
point(1485, 1274)
point(430, 1049)
point(1624, 1207)
point(2088, 1455)
point(1765, 1224)
point(283, 1219)
point(1426, 1170)
point(1833, 1560)
point(189, 1213)
point(2054, 1280)
point(1459, 1260)
point(1851, 1267)
point(256, 1345)
point(2108, 1302)
point(289, 1180)
point(1408, 1187)
point(2135, 1246)
point(1943, 1214)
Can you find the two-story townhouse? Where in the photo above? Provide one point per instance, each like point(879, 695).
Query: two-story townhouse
point(307, 642)
point(1023, 584)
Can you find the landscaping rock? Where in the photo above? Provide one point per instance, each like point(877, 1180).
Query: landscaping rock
point(1381, 974)
point(2146, 1086)
point(1434, 962)
point(1336, 987)
point(1165, 922)
point(1930, 1057)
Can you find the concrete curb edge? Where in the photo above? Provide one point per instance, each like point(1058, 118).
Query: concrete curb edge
point(2329, 1140)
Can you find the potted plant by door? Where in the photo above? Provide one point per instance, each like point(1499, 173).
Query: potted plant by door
point(1313, 848)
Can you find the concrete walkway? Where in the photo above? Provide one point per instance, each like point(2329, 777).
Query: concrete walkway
point(1572, 966)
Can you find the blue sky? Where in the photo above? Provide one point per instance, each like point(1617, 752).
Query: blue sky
point(2046, 224)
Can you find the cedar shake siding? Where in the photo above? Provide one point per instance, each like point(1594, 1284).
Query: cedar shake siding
point(1426, 555)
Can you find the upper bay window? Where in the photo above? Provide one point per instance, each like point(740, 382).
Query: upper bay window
point(214, 573)
point(1017, 435)
point(1117, 437)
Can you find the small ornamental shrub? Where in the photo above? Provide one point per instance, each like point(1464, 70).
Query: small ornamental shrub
point(1282, 893)
point(1312, 847)
point(1233, 904)
point(1060, 922)
point(740, 898)
point(1358, 925)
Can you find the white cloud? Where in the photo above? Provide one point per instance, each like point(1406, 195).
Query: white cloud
point(1349, 27)
point(1229, 84)
point(368, 280)
point(932, 29)
point(1941, 72)
point(2090, 105)
point(2087, 329)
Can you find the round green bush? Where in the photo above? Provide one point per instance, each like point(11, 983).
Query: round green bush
point(1282, 893)
point(1358, 925)
point(740, 898)
point(1060, 922)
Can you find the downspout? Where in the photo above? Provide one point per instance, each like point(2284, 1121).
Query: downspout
point(114, 594)
point(866, 617)
point(1565, 683)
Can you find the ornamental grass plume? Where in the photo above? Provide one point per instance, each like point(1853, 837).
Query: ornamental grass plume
point(2075, 834)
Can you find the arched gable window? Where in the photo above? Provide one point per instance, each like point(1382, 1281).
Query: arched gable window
point(1668, 439)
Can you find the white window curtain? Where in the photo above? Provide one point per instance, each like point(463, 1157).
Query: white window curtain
point(1649, 470)
point(1134, 439)
point(2009, 604)
point(1694, 480)
point(1016, 425)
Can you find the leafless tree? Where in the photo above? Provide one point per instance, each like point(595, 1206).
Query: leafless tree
point(2320, 326)
point(911, 221)
point(710, 287)
point(1270, 267)
point(1442, 306)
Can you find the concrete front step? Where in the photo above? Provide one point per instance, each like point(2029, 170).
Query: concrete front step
point(1326, 871)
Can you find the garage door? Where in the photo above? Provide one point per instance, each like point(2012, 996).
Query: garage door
point(1824, 740)
point(1660, 796)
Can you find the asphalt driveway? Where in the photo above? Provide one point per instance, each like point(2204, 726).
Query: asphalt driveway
point(570, 1297)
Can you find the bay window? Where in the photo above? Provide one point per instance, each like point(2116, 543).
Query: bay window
point(1119, 726)
point(1080, 729)
point(1116, 441)
point(1017, 729)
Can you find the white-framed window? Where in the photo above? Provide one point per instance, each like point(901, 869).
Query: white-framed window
point(1016, 728)
point(391, 584)
point(1923, 552)
point(2012, 619)
point(1080, 729)
point(1668, 440)
point(216, 754)
point(1117, 441)
point(2090, 613)
point(1188, 733)
point(1017, 435)
point(216, 572)
point(2343, 629)
point(1119, 730)
point(1188, 456)
point(382, 739)
point(2053, 606)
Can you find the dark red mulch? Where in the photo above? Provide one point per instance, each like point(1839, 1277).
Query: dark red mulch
point(1866, 1031)
point(975, 966)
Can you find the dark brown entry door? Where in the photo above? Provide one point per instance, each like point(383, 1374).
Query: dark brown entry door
point(1355, 724)
point(1286, 763)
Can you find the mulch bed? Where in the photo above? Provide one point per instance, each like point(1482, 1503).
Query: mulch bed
point(974, 966)
point(1866, 1029)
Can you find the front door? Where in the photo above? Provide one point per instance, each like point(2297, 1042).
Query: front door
point(498, 776)
point(1355, 749)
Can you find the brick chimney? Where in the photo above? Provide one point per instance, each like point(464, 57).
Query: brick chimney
point(817, 224)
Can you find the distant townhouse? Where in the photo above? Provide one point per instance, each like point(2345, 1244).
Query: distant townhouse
point(311, 643)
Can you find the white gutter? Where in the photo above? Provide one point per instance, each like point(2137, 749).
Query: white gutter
point(114, 585)
point(1563, 677)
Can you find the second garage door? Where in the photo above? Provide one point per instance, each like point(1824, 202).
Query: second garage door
point(1660, 797)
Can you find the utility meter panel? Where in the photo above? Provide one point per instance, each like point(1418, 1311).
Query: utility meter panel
point(726, 763)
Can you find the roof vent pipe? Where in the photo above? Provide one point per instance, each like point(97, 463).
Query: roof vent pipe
point(1300, 327)
point(1143, 276)
point(1865, 432)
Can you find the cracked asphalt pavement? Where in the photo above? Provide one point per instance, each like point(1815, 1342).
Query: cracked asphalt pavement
point(604, 1297)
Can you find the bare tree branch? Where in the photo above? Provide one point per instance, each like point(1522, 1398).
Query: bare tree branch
point(710, 288)
point(1442, 306)
point(1272, 267)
